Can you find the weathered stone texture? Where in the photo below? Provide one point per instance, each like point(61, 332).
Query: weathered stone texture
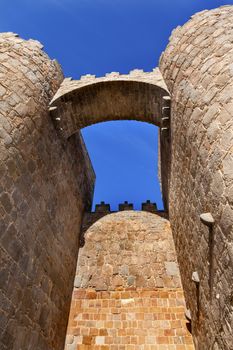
point(104, 209)
point(45, 184)
point(128, 249)
point(127, 291)
point(136, 96)
point(197, 68)
point(137, 75)
point(128, 320)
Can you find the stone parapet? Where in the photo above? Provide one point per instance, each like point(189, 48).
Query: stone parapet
point(103, 207)
point(126, 249)
point(125, 206)
point(138, 75)
point(135, 96)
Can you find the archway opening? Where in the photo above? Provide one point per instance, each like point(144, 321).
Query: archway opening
point(138, 96)
point(124, 155)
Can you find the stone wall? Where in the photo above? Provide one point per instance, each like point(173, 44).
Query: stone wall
point(104, 209)
point(127, 249)
point(136, 96)
point(45, 185)
point(198, 69)
point(127, 289)
point(128, 320)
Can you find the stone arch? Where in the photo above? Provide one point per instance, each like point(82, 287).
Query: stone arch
point(138, 96)
point(46, 182)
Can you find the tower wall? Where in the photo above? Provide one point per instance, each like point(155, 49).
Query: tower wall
point(45, 184)
point(127, 291)
point(197, 67)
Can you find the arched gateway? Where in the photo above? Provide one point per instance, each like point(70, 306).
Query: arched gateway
point(47, 180)
point(139, 96)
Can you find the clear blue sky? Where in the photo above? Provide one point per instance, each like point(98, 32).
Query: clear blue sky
point(97, 37)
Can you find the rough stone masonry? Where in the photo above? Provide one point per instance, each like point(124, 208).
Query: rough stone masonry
point(125, 296)
point(47, 180)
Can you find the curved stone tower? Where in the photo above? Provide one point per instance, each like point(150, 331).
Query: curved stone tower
point(47, 180)
point(44, 188)
point(127, 291)
point(198, 69)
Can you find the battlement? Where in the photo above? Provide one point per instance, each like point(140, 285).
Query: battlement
point(103, 207)
point(133, 73)
point(76, 103)
point(128, 253)
point(125, 206)
point(69, 84)
point(14, 38)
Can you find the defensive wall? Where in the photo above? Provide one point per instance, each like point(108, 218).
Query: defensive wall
point(46, 185)
point(127, 290)
point(47, 180)
point(197, 68)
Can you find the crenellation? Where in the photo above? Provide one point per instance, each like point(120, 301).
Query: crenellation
point(125, 206)
point(136, 72)
point(127, 286)
point(148, 206)
point(137, 75)
point(112, 75)
point(87, 77)
point(9, 35)
point(102, 208)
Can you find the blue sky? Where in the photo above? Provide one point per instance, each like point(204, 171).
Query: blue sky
point(97, 37)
